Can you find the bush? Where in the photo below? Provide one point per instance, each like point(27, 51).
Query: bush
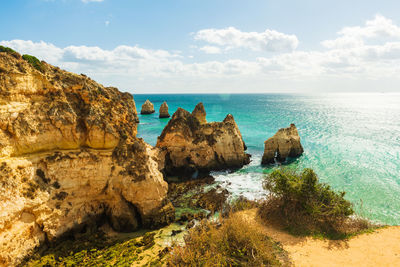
point(6, 49)
point(233, 242)
point(34, 62)
point(303, 205)
point(9, 51)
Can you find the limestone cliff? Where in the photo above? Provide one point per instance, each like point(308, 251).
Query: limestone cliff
point(69, 156)
point(285, 143)
point(191, 145)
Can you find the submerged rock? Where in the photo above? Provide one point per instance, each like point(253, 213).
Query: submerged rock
point(164, 110)
point(69, 158)
point(285, 143)
point(147, 108)
point(192, 146)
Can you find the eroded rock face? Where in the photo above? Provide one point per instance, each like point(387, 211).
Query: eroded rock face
point(285, 143)
point(69, 156)
point(199, 113)
point(147, 108)
point(192, 146)
point(164, 110)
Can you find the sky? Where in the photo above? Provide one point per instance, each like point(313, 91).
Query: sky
point(214, 46)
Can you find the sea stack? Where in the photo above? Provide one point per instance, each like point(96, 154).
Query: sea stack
point(192, 146)
point(284, 144)
point(164, 110)
point(147, 108)
point(70, 159)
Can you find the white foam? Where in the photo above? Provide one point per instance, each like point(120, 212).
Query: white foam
point(246, 182)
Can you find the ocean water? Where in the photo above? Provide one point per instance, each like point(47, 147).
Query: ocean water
point(352, 141)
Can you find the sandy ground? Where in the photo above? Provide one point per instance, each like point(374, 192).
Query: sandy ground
point(380, 248)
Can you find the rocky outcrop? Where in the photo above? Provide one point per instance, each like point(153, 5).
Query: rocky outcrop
point(199, 113)
point(147, 108)
point(190, 145)
point(164, 110)
point(69, 157)
point(284, 144)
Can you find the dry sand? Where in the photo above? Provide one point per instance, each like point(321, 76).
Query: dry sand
point(380, 248)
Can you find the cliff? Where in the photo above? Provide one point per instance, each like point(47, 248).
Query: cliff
point(284, 144)
point(69, 157)
point(190, 145)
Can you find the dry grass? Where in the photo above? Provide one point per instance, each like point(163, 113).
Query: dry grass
point(232, 242)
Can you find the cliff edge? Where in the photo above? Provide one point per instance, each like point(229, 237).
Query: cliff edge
point(69, 157)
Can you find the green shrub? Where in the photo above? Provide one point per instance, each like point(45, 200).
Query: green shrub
point(9, 51)
point(233, 242)
point(34, 62)
point(6, 49)
point(303, 205)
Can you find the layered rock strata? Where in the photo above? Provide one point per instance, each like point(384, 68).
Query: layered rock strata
point(284, 144)
point(164, 110)
point(190, 145)
point(69, 157)
point(147, 108)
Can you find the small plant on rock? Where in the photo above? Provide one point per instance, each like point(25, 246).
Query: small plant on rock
point(34, 62)
point(9, 51)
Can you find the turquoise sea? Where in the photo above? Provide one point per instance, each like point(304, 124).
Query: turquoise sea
point(351, 140)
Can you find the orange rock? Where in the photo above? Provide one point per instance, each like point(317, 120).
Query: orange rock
point(164, 110)
point(68, 157)
point(147, 108)
point(191, 145)
point(285, 143)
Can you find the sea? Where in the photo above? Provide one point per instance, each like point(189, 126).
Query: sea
point(352, 141)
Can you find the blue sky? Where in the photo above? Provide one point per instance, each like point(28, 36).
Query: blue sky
point(214, 46)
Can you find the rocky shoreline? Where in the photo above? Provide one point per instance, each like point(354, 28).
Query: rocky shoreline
point(71, 160)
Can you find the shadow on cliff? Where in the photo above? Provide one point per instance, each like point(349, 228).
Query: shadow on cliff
point(92, 246)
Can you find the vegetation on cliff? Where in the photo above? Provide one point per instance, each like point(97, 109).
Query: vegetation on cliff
point(7, 50)
point(34, 61)
point(303, 205)
point(94, 249)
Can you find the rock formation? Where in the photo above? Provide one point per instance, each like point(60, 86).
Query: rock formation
point(190, 145)
point(164, 110)
point(147, 108)
point(69, 156)
point(199, 113)
point(285, 143)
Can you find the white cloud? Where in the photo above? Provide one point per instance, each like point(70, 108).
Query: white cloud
point(230, 37)
point(210, 49)
point(378, 28)
point(107, 22)
point(349, 62)
point(41, 49)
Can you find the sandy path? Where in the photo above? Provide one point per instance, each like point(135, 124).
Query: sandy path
point(380, 248)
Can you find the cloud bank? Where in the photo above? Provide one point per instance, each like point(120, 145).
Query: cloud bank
point(231, 38)
point(361, 58)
